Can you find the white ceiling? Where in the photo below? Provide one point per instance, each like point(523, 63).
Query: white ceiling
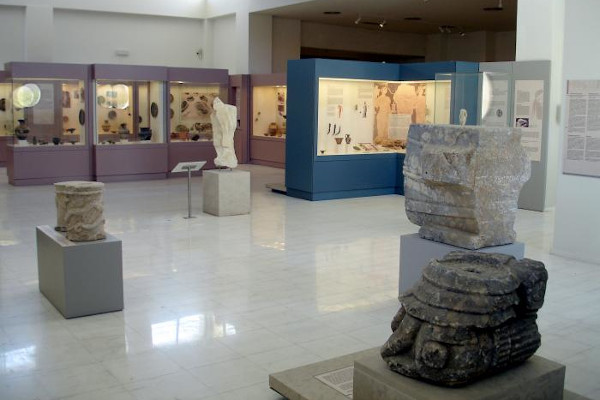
point(463, 15)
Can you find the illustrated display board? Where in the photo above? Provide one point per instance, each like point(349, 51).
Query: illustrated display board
point(190, 107)
point(494, 100)
point(269, 110)
point(528, 115)
point(129, 112)
point(581, 151)
point(366, 116)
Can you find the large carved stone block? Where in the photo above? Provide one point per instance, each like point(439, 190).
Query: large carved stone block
point(472, 314)
point(79, 210)
point(462, 183)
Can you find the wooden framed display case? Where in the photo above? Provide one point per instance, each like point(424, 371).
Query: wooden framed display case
point(48, 106)
point(347, 123)
point(6, 124)
point(268, 119)
point(239, 95)
point(190, 94)
point(129, 122)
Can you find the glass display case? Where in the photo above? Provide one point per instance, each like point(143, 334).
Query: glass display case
point(47, 112)
point(481, 98)
point(269, 111)
point(6, 124)
point(190, 106)
point(129, 112)
point(357, 116)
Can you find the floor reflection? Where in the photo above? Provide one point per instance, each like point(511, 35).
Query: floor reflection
point(191, 328)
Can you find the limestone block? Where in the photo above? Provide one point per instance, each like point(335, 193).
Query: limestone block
point(462, 183)
point(79, 210)
point(226, 192)
point(472, 314)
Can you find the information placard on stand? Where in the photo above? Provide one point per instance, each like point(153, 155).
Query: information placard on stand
point(189, 166)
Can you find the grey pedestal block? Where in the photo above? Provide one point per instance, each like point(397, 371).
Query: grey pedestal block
point(226, 192)
point(80, 278)
point(536, 379)
point(416, 252)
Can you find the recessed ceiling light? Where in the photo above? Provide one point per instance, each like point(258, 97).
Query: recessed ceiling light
point(413, 19)
point(332, 12)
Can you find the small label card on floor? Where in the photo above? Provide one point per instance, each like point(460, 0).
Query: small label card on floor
point(339, 379)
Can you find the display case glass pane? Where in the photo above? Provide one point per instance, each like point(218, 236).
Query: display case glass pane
point(190, 106)
point(129, 112)
point(366, 116)
point(6, 121)
point(481, 97)
point(269, 110)
point(47, 112)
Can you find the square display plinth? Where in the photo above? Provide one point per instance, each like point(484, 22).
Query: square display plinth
point(80, 278)
point(535, 379)
point(416, 252)
point(226, 192)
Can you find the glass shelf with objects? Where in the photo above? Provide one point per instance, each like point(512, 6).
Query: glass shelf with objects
point(357, 116)
point(6, 120)
point(269, 111)
point(129, 112)
point(477, 98)
point(190, 106)
point(46, 112)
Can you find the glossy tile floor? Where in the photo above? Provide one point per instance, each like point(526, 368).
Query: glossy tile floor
point(213, 305)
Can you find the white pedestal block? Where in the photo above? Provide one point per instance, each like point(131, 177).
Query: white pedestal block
point(226, 192)
point(416, 252)
point(80, 278)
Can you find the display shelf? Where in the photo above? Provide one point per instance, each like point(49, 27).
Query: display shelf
point(49, 105)
point(313, 175)
point(268, 119)
point(129, 132)
point(191, 92)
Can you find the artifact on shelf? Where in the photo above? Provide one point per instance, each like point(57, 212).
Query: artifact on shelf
point(461, 184)
point(472, 314)
point(462, 117)
point(145, 133)
point(123, 132)
point(339, 140)
point(223, 120)
point(56, 141)
point(79, 210)
point(272, 129)
point(348, 138)
point(105, 126)
point(21, 130)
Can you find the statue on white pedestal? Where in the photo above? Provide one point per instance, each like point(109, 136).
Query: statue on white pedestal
point(223, 120)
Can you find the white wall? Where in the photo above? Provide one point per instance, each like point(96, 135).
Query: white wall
point(224, 43)
point(12, 34)
point(260, 42)
point(540, 37)
point(93, 37)
point(577, 221)
point(286, 42)
point(333, 37)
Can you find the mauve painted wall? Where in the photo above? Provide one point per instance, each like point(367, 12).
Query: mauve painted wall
point(192, 151)
point(131, 159)
point(43, 162)
point(268, 151)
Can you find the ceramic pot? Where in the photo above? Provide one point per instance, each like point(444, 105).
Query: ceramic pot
point(348, 139)
point(21, 130)
point(272, 129)
point(56, 141)
point(123, 132)
point(145, 134)
point(105, 126)
point(338, 140)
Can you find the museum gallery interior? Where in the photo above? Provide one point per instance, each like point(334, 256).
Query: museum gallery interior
point(300, 199)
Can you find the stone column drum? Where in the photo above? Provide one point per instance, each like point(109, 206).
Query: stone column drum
point(79, 210)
